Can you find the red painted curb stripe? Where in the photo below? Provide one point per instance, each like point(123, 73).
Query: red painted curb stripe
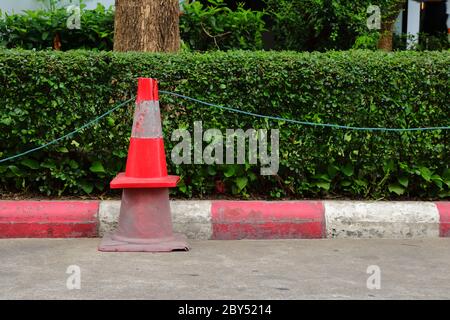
point(444, 213)
point(48, 219)
point(233, 220)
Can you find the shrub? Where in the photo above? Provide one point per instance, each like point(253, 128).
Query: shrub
point(37, 29)
point(45, 95)
point(210, 27)
point(327, 24)
point(426, 42)
point(316, 24)
point(217, 27)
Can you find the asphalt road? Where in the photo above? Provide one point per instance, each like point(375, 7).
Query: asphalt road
point(283, 269)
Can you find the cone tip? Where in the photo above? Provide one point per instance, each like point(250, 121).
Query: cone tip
point(147, 90)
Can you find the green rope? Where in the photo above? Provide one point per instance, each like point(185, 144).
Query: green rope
point(336, 126)
point(307, 123)
point(69, 134)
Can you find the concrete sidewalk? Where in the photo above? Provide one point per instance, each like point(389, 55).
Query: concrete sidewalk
point(276, 269)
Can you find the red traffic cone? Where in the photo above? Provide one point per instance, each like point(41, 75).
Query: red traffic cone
point(145, 222)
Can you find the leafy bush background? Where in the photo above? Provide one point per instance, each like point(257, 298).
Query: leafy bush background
point(36, 29)
point(309, 25)
point(304, 25)
point(45, 95)
point(202, 28)
point(216, 27)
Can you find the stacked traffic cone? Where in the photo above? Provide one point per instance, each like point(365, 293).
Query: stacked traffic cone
point(145, 222)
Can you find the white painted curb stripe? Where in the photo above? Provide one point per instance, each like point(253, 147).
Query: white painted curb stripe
point(354, 219)
point(191, 218)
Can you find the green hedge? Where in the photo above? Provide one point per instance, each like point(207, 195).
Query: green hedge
point(44, 95)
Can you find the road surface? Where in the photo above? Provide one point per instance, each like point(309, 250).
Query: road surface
point(274, 269)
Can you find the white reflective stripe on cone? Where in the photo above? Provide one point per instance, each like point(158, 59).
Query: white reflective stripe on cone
point(147, 120)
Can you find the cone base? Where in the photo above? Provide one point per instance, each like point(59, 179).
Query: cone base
point(124, 182)
point(111, 243)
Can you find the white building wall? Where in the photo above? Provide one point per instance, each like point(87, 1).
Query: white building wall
point(398, 24)
point(413, 26)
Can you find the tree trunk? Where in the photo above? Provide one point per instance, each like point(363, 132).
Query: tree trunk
point(147, 25)
point(387, 25)
point(385, 41)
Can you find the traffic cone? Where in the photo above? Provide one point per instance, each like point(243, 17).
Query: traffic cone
point(145, 222)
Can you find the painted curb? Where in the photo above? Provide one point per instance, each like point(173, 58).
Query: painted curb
point(48, 219)
point(444, 214)
point(392, 220)
point(232, 220)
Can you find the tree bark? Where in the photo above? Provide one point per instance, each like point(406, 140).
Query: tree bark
point(147, 25)
point(385, 42)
